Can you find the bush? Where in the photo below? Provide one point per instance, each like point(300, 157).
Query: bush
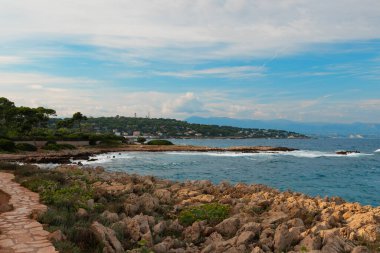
point(213, 213)
point(7, 145)
point(110, 143)
point(26, 147)
point(71, 197)
point(58, 147)
point(160, 142)
point(92, 142)
point(50, 142)
point(141, 140)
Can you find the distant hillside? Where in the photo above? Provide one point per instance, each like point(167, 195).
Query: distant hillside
point(171, 128)
point(354, 130)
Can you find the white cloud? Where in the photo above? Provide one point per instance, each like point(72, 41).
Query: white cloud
point(223, 72)
point(185, 104)
point(10, 60)
point(212, 28)
point(94, 98)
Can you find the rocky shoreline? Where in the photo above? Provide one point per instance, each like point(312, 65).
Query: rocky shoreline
point(132, 213)
point(84, 153)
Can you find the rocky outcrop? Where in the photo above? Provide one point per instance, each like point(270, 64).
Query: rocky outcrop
point(107, 237)
point(147, 214)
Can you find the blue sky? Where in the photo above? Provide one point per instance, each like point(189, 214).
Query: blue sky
point(290, 59)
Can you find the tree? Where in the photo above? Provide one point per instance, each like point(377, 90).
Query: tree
point(141, 139)
point(6, 114)
point(65, 123)
point(27, 119)
point(79, 117)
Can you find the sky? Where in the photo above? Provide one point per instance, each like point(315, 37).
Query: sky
point(302, 60)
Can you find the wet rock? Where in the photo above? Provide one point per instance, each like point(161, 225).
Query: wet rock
point(107, 237)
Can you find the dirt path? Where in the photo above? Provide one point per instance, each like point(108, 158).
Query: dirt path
point(19, 233)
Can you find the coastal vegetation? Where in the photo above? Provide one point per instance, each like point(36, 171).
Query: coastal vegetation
point(92, 210)
point(159, 142)
point(32, 124)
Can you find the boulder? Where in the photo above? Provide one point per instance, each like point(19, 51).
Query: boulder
point(245, 238)
point(164, 246)
point(336, 244)
point(163, 195)
point(311, 242)
point(284, 238)
point(360, 249)
point(251, 226)
point(194, 232)
point(149, 203)
point(159, 228)
point(228, 227)
point(257, 250)
point(82, 212)
point(107, 237)
point(57, 236)
point(109, 216)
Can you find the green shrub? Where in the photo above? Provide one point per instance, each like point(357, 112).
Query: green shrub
point(58, 147)
point(67, 146)
point(7, 145)
point(110, 143)
point(141, 139)
point(160, 142)
point(92, 142)
point(213, 213)
point(26, 147)
point(66, 247)
point(40, 185)
point(71, 197)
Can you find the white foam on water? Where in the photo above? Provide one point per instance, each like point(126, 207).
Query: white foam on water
point(227, 154)
point(297, 153)
point(102, 158)
point(377, 150)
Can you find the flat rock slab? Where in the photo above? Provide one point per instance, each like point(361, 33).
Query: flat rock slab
point(19, 233)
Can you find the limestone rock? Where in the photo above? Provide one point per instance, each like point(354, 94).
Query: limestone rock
point(360, 249)
point(57, 236)
point(257, 250)
point(163, 195)
point(107, 237)
point(245, 238)
point(228, 227)
point(111, 217)
point(284, 238)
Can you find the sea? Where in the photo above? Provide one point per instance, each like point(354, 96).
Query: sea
point(314, 169)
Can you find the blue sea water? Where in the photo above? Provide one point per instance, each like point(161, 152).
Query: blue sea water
point(315, 169)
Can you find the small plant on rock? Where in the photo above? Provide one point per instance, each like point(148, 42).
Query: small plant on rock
point(212, 213)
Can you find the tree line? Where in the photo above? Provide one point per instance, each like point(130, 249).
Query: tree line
point(23, 122)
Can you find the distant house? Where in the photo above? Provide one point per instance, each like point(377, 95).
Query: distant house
point(136, 133)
